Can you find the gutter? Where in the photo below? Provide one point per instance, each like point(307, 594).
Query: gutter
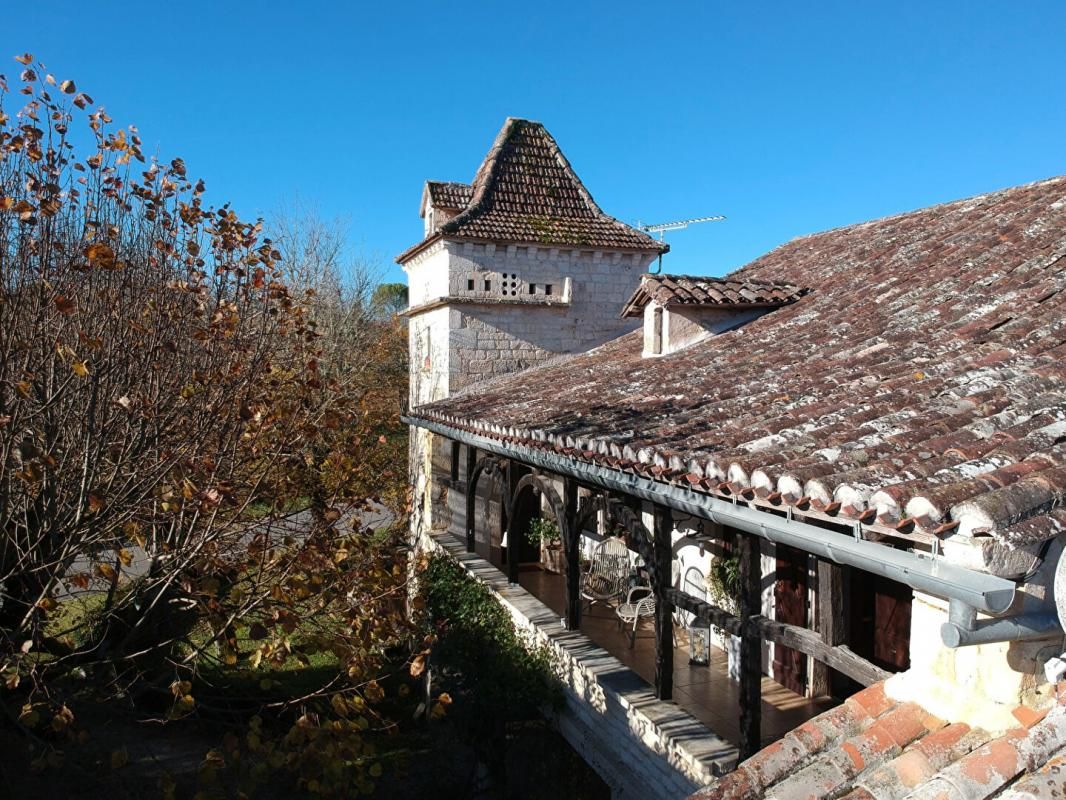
point(982, 591)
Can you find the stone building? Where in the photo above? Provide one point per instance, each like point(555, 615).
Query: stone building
point(516, 267)
point(868, 425)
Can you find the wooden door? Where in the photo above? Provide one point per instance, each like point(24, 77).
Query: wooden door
point(881, 621)
point(790, 605)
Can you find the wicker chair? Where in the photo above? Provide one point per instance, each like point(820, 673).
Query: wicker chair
point(605, 579)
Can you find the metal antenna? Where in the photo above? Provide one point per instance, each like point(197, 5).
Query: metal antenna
point(662, 227)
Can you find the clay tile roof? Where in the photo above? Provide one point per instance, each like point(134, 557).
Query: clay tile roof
point(687, 290)
point(526, 192)
point(919, 386)
point(449, 194)
point(898, 750)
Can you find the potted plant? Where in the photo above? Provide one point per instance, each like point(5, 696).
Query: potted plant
point(723, 588)
point(544, 533)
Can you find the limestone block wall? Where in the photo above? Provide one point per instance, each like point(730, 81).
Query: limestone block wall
point(493, 338)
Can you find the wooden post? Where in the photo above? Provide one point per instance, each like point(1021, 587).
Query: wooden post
point(750, 647)
point(471, 463)
point(664, 609)
point(510, 482)
point(573, 556)
point(831, 609)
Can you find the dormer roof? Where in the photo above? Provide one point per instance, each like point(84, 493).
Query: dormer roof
point(692, 291)
point(446, 194)
point(526, 192)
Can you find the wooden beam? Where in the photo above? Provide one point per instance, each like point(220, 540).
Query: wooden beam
point(705, 613)
point(572, 554)
point(664, 609)
point(839, 657)
point(471, 463)
point(831, 624)
point(750, 647)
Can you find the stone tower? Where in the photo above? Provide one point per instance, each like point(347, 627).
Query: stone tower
point(516, 267)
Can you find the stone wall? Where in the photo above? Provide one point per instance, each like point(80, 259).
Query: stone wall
point(493, 338)
point(642, 747)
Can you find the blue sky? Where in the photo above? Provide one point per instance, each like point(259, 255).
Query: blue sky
point(789, 118)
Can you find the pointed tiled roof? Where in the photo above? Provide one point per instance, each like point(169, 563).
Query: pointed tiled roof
point(526, 192)
point(688, 290)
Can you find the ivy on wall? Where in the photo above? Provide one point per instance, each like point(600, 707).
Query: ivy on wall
point(501, 674)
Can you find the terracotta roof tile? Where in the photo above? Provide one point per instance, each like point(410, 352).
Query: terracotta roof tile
point(526, 191)
point(901, 752)
point(449, 194)
point(921, 383)
point(687, 290)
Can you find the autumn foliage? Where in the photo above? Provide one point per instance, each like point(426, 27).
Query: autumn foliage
point(168, 397)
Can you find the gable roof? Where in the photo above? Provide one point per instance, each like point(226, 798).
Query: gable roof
point(920, 386)
point(875, 748)
point(525, 191)
point(689, 290)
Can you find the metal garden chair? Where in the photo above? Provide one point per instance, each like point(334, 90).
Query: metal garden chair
point(639, 604)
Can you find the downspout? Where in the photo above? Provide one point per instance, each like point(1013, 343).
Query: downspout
point(963, 628)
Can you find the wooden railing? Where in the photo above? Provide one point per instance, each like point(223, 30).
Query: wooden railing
point(808, 642)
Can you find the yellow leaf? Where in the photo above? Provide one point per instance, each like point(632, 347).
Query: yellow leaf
point(106, 571)
point(80, 369)
point(28, 716)
point(337, 701)
point(179, 688)
point(67, 87)
point(918, 376)
point(418, 666)
point(25, 58)
point(119, 758)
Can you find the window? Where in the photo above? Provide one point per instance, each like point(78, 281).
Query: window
point(488, 285)
point(470, 284)
point(657, 331)
point(547, 288)
point(532, 288)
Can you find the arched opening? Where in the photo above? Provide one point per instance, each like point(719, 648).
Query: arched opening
point(486, 510)
point(525, 507)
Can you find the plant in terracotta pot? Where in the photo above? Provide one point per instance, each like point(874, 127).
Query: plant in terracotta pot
point(544, 533)
point(723, 588)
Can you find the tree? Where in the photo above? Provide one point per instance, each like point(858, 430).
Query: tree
point(166, 370)
point(389, 298)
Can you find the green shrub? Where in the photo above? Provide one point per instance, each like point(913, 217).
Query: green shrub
point(502, 674)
